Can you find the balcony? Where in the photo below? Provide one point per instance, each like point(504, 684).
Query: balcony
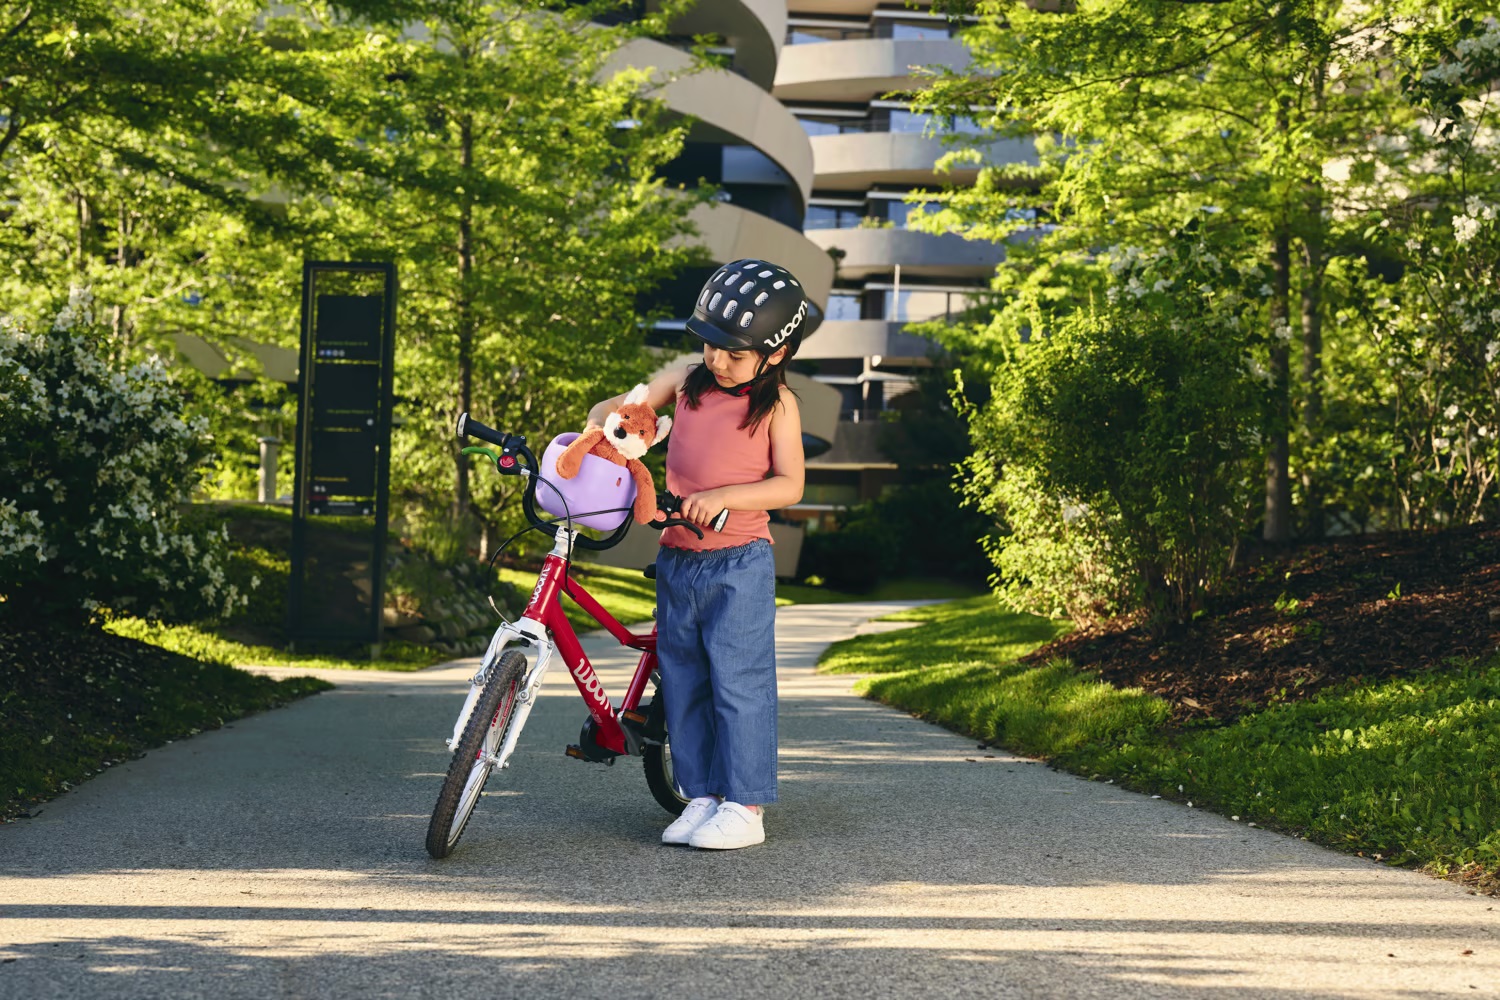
point(730, 232)
point(755, 29)
point(870, 251)
point(858, 160)
point(883, 341)
point(861, 69)
point(728, 108)
point(855, 446)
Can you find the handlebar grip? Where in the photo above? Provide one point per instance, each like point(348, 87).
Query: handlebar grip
point(671, 503)
point(469, 427)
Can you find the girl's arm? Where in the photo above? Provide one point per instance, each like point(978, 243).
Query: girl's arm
point(660, 392)
point(782, 488)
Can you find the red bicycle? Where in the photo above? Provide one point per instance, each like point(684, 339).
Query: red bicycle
point(503, 691)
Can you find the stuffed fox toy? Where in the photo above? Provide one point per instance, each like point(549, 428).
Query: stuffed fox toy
point(628, 433)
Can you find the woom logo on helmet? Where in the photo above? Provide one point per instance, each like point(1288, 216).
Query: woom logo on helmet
point(786, 331)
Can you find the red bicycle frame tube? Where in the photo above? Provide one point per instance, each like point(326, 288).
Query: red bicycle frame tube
point(545, 606)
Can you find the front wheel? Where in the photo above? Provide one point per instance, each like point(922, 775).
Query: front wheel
point(659, 776)
point(474, 756)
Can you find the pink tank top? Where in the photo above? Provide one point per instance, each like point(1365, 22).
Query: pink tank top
point(706, 450)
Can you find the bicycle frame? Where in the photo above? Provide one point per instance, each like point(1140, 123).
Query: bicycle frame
point(544, 626)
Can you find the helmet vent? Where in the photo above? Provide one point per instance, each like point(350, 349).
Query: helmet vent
point(732, 278)
point(713, 303)
point(745, 319)
point(746, 287)
point(760, 299)
point(703, 299)
point(779, 284)
point(794, 282)
point(765, 274)
point(730, 307)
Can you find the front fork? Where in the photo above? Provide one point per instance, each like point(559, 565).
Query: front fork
point(505, 636)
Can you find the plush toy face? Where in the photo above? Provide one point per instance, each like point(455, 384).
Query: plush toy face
point(634, 427)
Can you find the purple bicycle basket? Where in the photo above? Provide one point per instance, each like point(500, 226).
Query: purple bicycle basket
point(599, 485)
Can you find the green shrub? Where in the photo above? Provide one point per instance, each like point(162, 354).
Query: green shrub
point(1121, 448)
point(854, 557)
point(103, 463)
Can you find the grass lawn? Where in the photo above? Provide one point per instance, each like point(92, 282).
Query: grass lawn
point(200, 643)
point(915, 589)
point(630, 597)
point(1401, 770)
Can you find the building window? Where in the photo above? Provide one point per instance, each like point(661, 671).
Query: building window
point(897, 211)
point(918, 304)
point(906, 32)
point(903, 120)
point(832, 217)
point(811, 32)
point(843, 305)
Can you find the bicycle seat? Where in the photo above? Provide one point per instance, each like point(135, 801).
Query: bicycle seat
point(649, 572)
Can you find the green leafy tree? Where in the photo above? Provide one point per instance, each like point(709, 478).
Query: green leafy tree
point(515, 186)
point(1146, 112)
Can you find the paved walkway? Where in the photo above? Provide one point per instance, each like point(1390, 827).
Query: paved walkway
point(282, 857)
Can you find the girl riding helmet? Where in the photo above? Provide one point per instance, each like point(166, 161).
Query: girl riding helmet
point(751, 305)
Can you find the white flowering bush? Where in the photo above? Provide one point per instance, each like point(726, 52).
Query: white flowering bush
point(97, 463)
point(1121, 447)
point(1412, 427)
point(1439, 339)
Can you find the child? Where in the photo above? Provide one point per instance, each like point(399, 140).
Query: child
point(736, 443)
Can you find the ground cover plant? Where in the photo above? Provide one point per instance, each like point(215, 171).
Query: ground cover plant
point(1377, 735)
point(75, 702)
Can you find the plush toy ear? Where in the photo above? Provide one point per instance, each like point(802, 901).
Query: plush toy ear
point(636, 395)
point(663, 425)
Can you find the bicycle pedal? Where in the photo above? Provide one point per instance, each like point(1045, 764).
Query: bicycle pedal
point(637, 717)
point(577, 753)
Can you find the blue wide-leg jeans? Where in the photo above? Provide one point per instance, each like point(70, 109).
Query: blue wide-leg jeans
point(716, 621)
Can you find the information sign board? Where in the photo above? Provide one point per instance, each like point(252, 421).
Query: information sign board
point(343, 451)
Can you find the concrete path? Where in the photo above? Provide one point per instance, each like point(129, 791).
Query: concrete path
point(282, 857)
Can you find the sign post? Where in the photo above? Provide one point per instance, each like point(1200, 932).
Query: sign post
point(343, 453)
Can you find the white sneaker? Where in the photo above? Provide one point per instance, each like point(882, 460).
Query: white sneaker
point(731, 826)
point(695, 815)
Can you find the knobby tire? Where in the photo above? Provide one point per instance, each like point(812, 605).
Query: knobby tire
point(467, 773)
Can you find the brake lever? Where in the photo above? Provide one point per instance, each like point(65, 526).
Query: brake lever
point(676, 522)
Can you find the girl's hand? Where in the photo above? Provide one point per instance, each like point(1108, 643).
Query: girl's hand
point(702, 508)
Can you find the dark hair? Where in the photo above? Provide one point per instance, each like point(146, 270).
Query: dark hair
point(764, 393)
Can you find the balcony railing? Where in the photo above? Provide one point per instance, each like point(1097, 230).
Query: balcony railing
point(804, 35)
point(904, 123)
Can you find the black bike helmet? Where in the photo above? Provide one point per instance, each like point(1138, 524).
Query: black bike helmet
point(751, 305)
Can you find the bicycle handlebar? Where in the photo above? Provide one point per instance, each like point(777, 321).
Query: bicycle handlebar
point(516, 459)
point(670, 503)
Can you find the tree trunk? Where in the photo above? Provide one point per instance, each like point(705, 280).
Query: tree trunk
point(121, 332)
point(1278, 521)
point(1312, 368)
point(465, 317)
point(85, 220)
point(1314, 245)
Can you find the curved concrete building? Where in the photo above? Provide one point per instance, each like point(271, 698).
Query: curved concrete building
point(743, 140)
point(847, 71)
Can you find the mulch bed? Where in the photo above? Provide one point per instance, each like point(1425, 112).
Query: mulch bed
point(1349, 623)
